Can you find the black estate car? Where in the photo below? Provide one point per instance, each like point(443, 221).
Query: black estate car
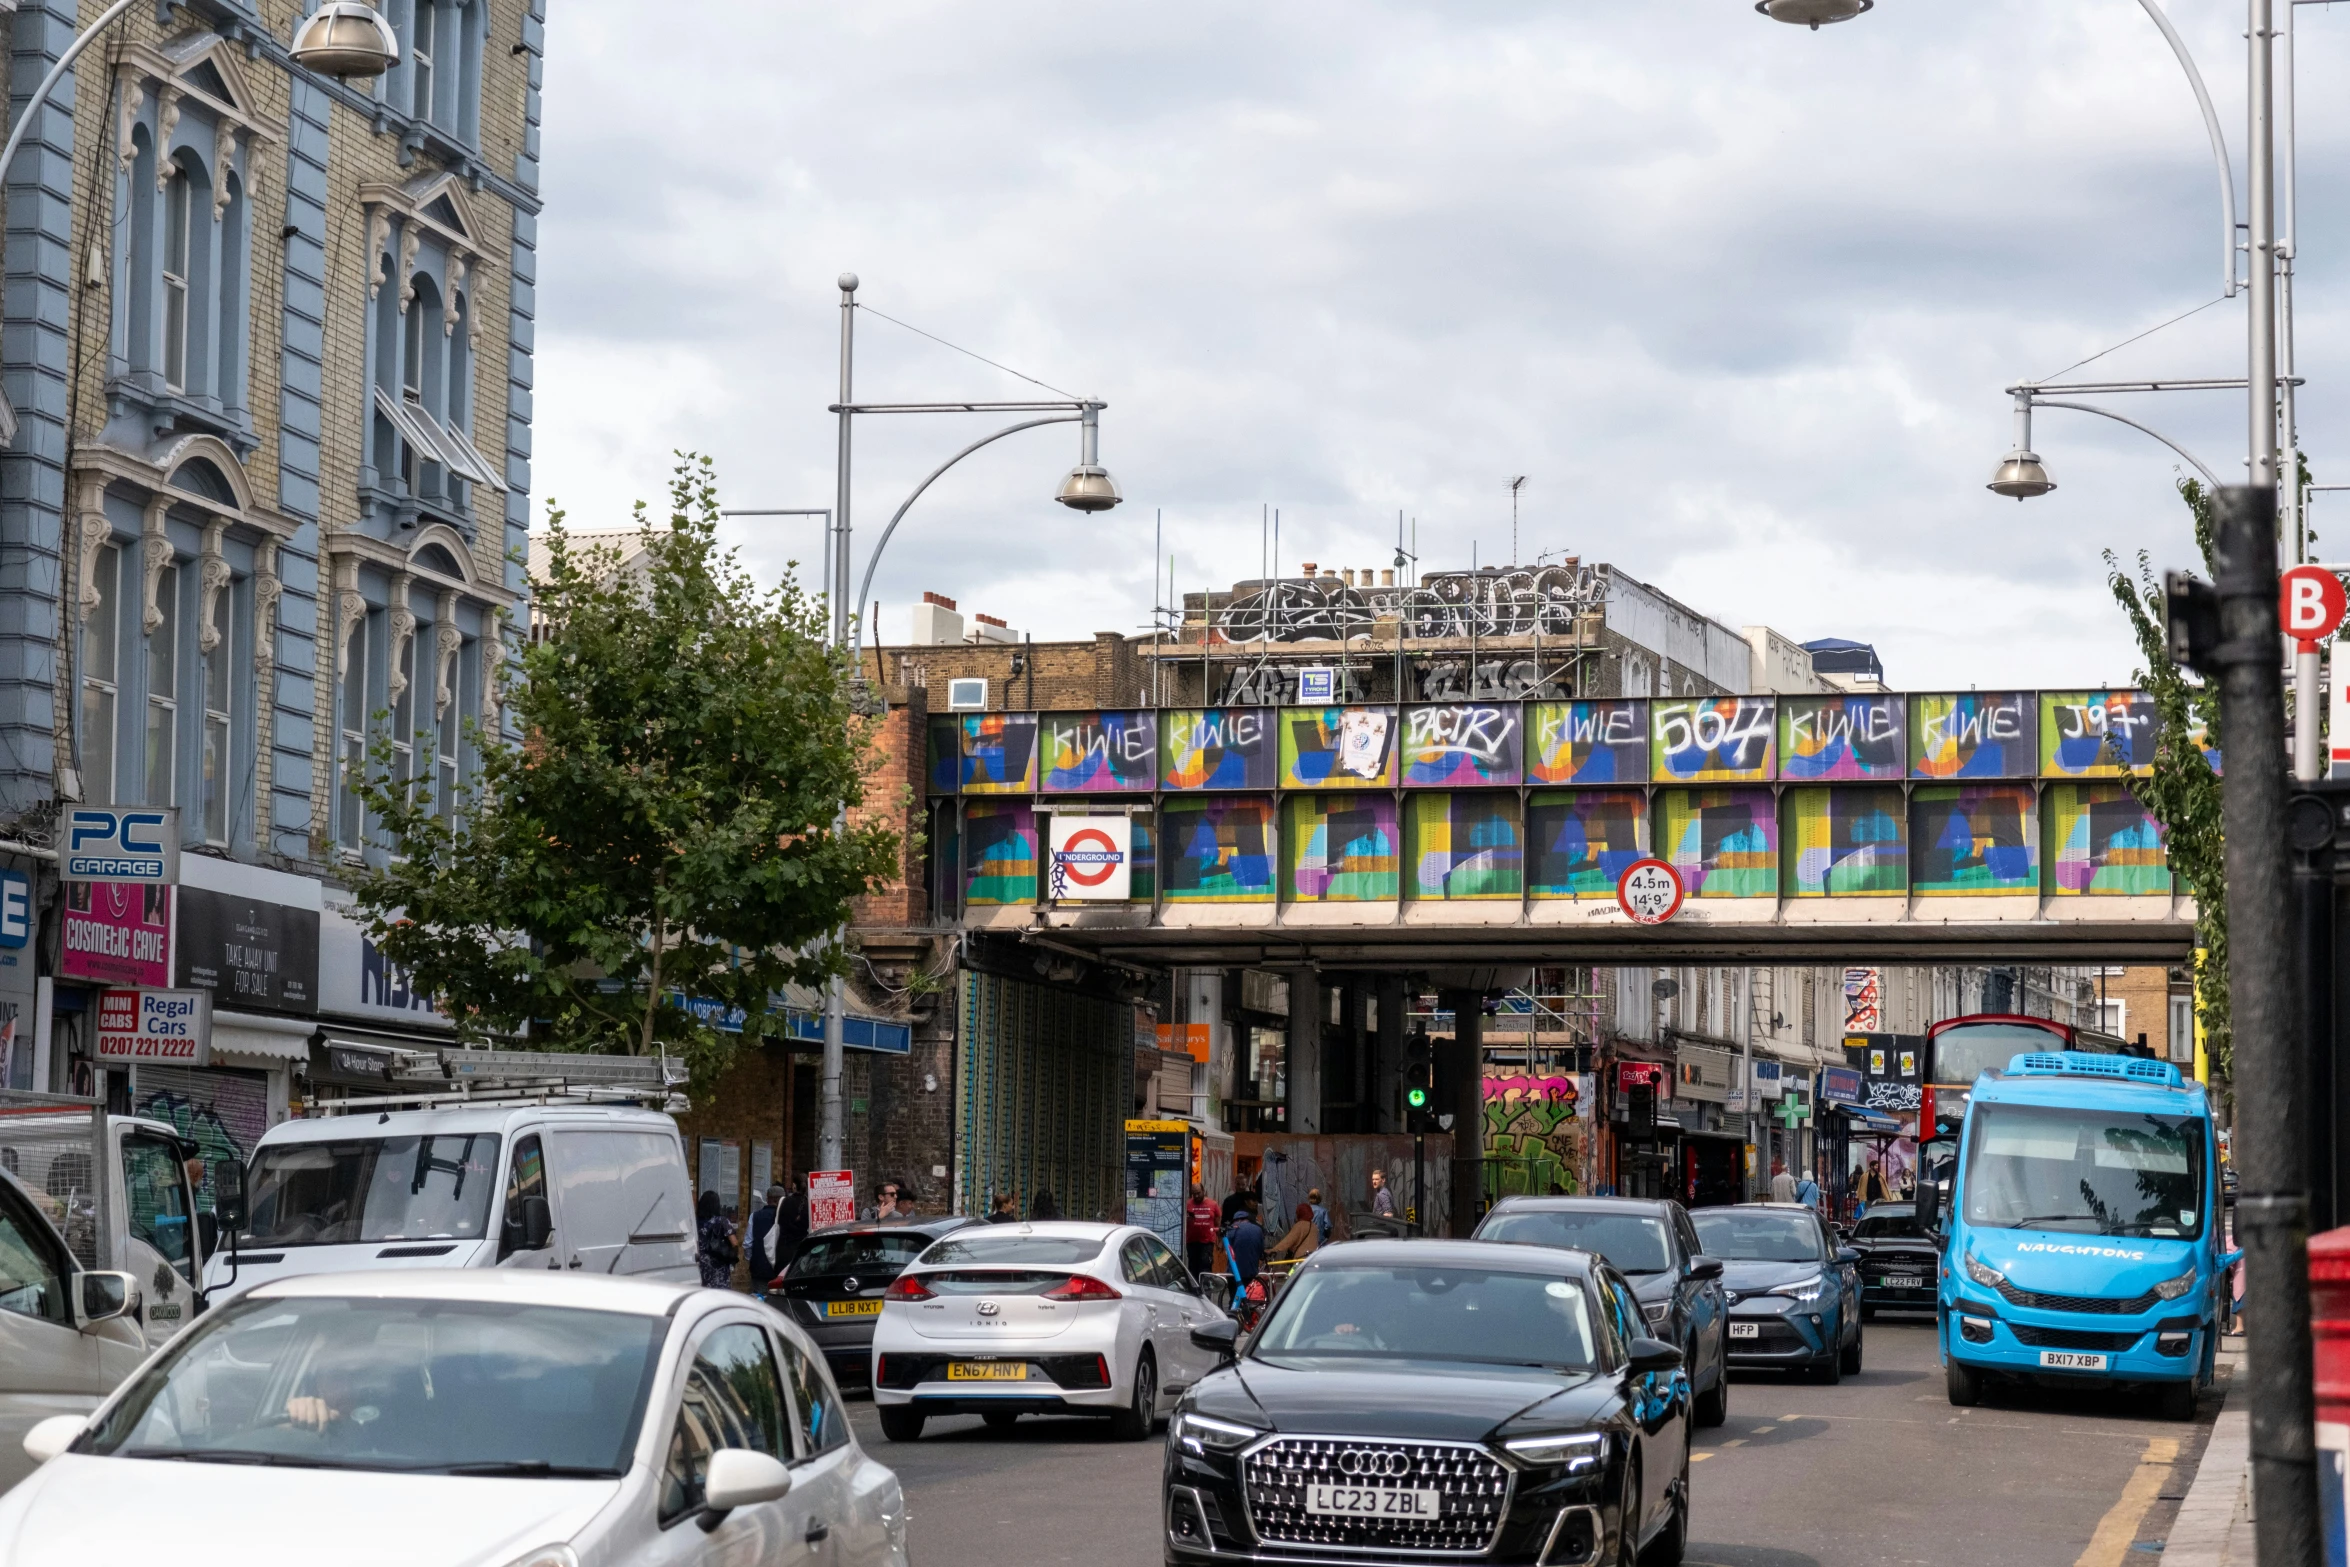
point(1414, 1399)
point(831, 1286)
point(1651, 1243)
point(1898, 1260)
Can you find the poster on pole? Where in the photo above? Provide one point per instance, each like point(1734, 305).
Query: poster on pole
point(832, 1198)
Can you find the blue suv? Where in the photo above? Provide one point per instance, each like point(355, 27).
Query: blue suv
point(1794, 1293)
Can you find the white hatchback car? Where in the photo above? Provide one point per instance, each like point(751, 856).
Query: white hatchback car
point(465, 1419)
point(1005, 1320)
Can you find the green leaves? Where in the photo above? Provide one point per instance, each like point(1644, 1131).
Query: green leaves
point(2183, 792)
point(672, 824)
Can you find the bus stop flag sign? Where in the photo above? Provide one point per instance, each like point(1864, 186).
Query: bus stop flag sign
point(1649, 891)
point(2310, 605)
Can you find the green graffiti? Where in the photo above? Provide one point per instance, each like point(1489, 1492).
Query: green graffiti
point(1533, 1135)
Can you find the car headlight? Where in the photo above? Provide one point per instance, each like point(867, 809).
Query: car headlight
point(1658, 1313)
point(2172, 1289)
point(1205, 1433)
point(1579, 1453)
point(1984, 1274)
point(1804, 1289)
point(547, 1556)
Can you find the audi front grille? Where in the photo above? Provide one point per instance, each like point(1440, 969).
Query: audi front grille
point(1472, 1491)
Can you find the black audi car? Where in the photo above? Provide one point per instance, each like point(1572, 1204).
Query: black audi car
point(1652, 1243)
point(831, 1287)
point(1898, 1260)
point(1405, 1400)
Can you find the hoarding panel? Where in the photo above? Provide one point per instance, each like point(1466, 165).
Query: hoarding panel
point(1097, 752)
point(1219, 748)
point(1715, 739)
point(1462, 745)
point(1337, 747)
point(1465, 846)
point(1217, 850)
point(2102, 841)
point(1847, 842)
point(1724, 842)
point(1340, 848)
point(1974, 839)
point(1587, 743)
point(1973, 734)
point(1823, 738)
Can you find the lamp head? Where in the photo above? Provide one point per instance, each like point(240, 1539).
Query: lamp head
point(1812, 13)
point(345, 38)
point(1089, 487)
point(2021, 476)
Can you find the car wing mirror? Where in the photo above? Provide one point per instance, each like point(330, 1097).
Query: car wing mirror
point(740, 1477)
point(1219, 1338)
point(52, 1436)
point(1847, 1254)
point(1705, 1267)
point(101, 1297)
point(1654, 1354)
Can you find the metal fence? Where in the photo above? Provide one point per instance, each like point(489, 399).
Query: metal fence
point(54, 1146)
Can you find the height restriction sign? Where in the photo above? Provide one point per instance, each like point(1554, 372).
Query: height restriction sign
point(1649, 891)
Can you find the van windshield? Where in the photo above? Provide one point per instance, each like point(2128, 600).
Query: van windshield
point(2090, 1172)
point(372, 1189)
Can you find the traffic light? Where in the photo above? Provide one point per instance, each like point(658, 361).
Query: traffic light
point(1418, 1081)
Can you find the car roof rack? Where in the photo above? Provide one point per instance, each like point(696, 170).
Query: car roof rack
point(452, 1078)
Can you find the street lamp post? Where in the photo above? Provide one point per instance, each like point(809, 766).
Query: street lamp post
point(1087, 488)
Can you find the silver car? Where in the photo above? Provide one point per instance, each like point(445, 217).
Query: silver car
point(1005, 1320)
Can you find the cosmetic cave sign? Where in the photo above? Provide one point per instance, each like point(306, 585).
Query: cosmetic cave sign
point(155, 1027)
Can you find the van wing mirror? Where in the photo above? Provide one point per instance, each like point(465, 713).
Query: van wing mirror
point(537, 1223)
point(101, 1297)
point(1929, 1205)
point(228, 1193)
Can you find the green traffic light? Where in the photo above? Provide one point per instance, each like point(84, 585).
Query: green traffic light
point(1417, 1098)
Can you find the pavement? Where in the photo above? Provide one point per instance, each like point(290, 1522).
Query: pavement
point(2214, 1525)
point(1879, 1470)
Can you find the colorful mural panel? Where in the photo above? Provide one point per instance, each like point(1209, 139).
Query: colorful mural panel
point(1144, 879)
point(1582, 842)
point(1724, 739)
point(1098, 753)
point(1724, 842)
point(1217, 851)
point(1218, 748)
point(1846, 842)
point(1001, 835)
point(996, 752)
point(1462, 746)
point(2097, 734)
point(1534, 1132)
point(1337, 747)
point(1973, 734)
point(1822, 738)
point(1587, 742)
point(1974, 839)
point(2101, 841)
point(1465, 846)
point(943, 748)
point(1340, 848)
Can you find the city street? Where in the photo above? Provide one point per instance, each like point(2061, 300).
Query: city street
point(1878, 1470)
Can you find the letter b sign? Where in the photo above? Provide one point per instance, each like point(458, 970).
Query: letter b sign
point(2310, 604)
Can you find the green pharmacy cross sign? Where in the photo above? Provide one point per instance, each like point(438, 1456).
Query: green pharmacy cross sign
point(1793, 1112)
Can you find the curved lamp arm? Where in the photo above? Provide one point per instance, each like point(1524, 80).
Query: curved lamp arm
point(856, 606)
point(41, 93)
point(2219, 154)
point(2209, 477)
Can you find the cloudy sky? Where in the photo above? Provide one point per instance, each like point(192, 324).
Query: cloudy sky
point(1738, 298)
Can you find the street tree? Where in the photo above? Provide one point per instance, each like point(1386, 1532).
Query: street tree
point(2183, 792)
point(662, 843)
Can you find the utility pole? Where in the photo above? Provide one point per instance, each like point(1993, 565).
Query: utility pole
point(829, 1139)
point(1516, 485)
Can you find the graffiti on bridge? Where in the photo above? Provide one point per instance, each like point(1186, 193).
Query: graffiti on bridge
point(1494, 602)
point(1534, 1132)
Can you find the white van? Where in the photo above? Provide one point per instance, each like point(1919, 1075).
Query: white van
point(68, 1335)
point(601, 1188)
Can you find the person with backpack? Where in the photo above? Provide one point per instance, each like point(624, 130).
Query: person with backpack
point(714, 1246)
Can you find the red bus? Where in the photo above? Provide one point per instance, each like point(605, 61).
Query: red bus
point(1961, 1049)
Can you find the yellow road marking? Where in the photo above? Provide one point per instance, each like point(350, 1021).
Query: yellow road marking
point(1699, 1458)
point(2119, 1526)
point(1736, 1441)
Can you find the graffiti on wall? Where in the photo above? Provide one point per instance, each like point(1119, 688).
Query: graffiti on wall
point(1726, 739)
point(1098, 753)
point(1973, 734)
point(1465, 846)
point(1495, 602)
point(1847, 841)
point(1535, 1128)
point(1337, 747)
point(2096, 734)
point(1864, 1000)
point(1836, 737)
point(1002, 835)
point(1588, 743)
point(1582, 843)
point(983, 753)
point(1454, 746)
point(1218, 748)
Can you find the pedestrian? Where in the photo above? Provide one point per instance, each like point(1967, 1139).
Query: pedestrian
point(714, 1245)
point(764, 1267)
point(1321, 1216)
point(1872, 1189)
point(1302, 1237)
point(1046, 1206)
point(1199, 1230)
point(886, 1208)
point(791, 1223)
point(1382, 1200)
point(1807, 1191)
point(1782, 1184)
point(1003, 1210)
point(1244, 1246)
point(1240, 1197)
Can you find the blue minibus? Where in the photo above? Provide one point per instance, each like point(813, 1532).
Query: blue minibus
point(2081, 1236)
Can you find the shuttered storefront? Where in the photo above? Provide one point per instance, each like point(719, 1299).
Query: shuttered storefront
point(1046, 1086)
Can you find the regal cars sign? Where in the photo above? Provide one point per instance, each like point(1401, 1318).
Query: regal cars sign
point(155, 1027)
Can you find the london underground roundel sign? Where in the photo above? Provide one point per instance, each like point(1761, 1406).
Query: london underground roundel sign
point(1649, 891)
point(1090, 856)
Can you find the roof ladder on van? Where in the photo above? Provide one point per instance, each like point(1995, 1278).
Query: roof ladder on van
point(447, 1079)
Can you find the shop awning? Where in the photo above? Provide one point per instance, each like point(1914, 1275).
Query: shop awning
point(1867, 1120)
point(258, 1036)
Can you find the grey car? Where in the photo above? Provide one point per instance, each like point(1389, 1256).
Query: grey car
point(1652, 1244)
point(831, 1286)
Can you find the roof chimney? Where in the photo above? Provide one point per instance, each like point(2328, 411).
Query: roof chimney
point(940, 599)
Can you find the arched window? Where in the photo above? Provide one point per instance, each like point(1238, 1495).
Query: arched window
point(228, 378)
point(178, 264)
